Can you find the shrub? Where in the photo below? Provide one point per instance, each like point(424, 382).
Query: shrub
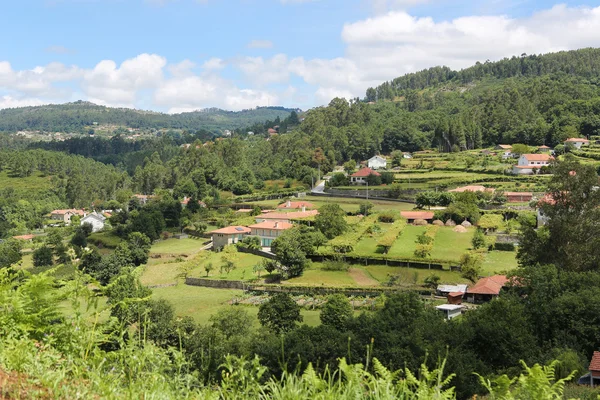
point(423, 251)
point(387, 216)
point(335, 265)
point(478, 240)
point(43, 257)
point(505, 246)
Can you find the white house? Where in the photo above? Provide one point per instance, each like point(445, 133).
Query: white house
point(268, 231)
point(577, 142)
point(228, 235)
point(450, 310)
point(377, 162)
point(96, 220)
point(506, 150)
point(531, 163)
point(359, 177)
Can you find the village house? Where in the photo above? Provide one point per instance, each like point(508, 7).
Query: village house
point(443, 290)
point(286, 217)
point(228, 235)
point(544, 149)
point(486, 289)
point(377, 162)
point(518, 197)
point(531, 163)
point(268, 231)
point(96, 220)
point(66, 215)
point(506, 150)
point(360, 176)
point(411, 216)
point(296, 205)
point(577, 142)
point(450, 310)
point(144, 198)
point(592, 378)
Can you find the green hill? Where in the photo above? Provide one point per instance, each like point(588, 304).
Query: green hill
point(81, 115)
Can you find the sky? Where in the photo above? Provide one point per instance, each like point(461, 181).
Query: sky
point(183, 55)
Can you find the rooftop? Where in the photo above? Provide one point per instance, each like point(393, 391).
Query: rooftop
point(452, 288)
point(232, 230)
point(472, 188)
point(289, 215)
point(449, 307)
point(490, 285)
point(505, 146)
point(277, 225)
point(595, 363)
point(417, 214)
point(577, 140)
point(72, 211)
point(297, 205)
point(364, 172)
point(537, 157)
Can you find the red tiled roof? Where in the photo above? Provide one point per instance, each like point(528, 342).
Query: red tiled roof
point(417, 214)
point(297, 204)
point(455, 294)
point(232, 230)
point(505, 146)
point(518, 194)
point(538, 157)
point(543, 147)
point(490, 285)
point(595, 363)
point(72, 211)
point(577, 140)
point(364, 172)
point(280, 226)
point(290, 215)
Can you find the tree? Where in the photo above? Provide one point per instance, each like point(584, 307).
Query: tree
point(338, 179)
point(478, 240)
point(79, 239)
point(43, 257)
point(258, 269)
point(397, 158)
point(10, 252)
point(365, 208)
point(331, 220)
point(251, 242)
point(432, 281)
point(520, 149)
point(470, 266)
point(350, 167)
point(139, 246)
point(280, 313)
point(336, 312)
point(124, 294)
point(232, 321)
point(290, 254)
point(208, 267)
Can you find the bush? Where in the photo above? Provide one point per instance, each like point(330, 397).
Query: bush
point(43, 257)
point(478, 240)
point(387, 216)
point(335, 265)
point(505, 246)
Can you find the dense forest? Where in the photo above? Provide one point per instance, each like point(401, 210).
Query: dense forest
point(75, 117)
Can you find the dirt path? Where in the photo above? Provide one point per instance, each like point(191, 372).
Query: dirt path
point(362, 278)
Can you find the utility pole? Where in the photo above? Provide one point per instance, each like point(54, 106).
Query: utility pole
point(367, 190)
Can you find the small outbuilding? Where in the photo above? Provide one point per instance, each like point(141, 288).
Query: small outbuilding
point(450, 310)
point(486, 289)
point(377, 162)
point(412, 216)
point(592, 378)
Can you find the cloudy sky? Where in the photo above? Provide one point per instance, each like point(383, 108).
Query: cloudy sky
point(183, 55)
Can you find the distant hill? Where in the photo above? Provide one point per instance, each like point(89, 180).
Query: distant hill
point(583, 63)
point(77, 116)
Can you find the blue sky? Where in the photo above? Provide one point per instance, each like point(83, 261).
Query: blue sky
point(180, 55)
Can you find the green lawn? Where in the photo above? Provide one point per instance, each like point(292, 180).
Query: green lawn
point(200, 302)
point(160, 273)
point(450, 245)
point(404, 246)
point(347, 204)
point(177, 246)
point(244, 263)
point(317, 276)
point(499, 261)
point(382, 273)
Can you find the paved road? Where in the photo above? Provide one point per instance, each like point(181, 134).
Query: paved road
point(319, 188)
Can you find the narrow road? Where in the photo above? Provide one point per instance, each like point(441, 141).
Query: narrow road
point(319, 188)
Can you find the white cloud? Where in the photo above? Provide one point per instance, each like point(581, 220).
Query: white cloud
point(262, 71)
point(214, 64)
point(260, 44)
point(38, 81)
point(10, 102)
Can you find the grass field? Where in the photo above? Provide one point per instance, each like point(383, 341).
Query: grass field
point(317, 276)
point(177, 246)
point(450, 245)
point(405, 245)
point(499, 261)
point(347, 204)
point(382, 274)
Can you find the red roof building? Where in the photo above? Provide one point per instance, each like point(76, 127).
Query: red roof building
point(595, 365)
point(486, 289)
point(286, 216)
point(472, 188)
point(411, 216)
point(297, 205)
point(268, 231)
point(358, 178)
point(24, 237)
point(518, 197)
point(228, 235)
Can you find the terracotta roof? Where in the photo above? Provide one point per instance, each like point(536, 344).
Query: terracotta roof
point(577, 140)
point(72, 211)
point(297, 204)
point(595, 363)
point(543, 147)
point(518, 194)
point(490, 285)
point(456, 294)
point(417, 214)
point(537, 157)
point(24, 237)
point(505, 146)
point(290, 215)
point(280, 226)
point(472, 188)
point(364, 172)
point(232, 230)
point(244, 210)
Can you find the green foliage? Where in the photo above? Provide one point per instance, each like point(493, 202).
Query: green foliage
point(337, 312)
point(490, 222)
point(10, 253)
point(251, 242)
point(470, 266)
point(365, 208)
point(290, 255)
point(331, 220)
point(478, 240)
point(280, 313)
point(432, 281)
point(43, 257)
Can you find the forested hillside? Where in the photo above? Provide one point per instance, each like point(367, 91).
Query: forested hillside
point(74, 117)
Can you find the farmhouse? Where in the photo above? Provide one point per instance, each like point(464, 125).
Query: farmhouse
point(443, 290)
point(359, 177)
point(228, 235)
point(486, 289)
point(450, 310)
point(530, 163)
point(268, 231)
point(472, 188)
point(506, 150)
point(411, 216)
point(96, 220)
point(544, 149)
point(296, 205)
point(377, 162)
point(518, 197)
point(593, 377)
point(577, 142)
point(65, 215)
point(286, 217)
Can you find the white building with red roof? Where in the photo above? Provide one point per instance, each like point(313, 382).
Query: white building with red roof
point(486, 289)
point(296, 205)
point(360, 176)
point(531, 163)
point(228, 235)
point(577, 142)
point(268, 231)
point(66, 215)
